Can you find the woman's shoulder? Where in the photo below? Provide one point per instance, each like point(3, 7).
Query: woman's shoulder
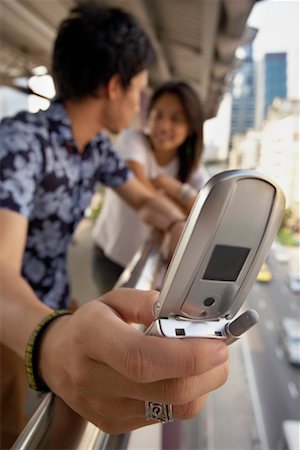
point(131, 142)
point(132, 134)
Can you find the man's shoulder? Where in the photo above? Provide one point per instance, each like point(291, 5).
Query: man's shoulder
point(24, 122)
point(132, 141)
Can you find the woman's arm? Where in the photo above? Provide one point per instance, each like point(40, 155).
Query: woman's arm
point(182, 193)
point(139, 171)
point(154, 208)
point(134, 148)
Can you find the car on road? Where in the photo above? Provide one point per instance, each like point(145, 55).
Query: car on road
point(265, 274)
point(291, 339)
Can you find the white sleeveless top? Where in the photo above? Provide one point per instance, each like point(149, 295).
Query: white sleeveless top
point(118, 229)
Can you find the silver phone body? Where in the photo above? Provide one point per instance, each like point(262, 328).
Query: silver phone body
point(226, 239)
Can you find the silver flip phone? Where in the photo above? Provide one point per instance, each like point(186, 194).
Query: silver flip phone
point(226, 239)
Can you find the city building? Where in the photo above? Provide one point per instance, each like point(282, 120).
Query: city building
point(245, 150)
point(243, 92)
point(275, 79)
point(279, 148)
point(273, 151)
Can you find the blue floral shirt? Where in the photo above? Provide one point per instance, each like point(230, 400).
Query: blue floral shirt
point(46, 179)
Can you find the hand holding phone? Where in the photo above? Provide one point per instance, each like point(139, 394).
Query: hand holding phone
point(226, 239)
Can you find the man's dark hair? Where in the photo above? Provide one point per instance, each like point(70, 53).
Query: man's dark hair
point(93, 44)
point(190, 151)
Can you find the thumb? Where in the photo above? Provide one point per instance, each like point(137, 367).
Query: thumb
point(133, 305)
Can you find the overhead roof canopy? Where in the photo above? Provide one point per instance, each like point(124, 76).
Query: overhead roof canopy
point(195, 39)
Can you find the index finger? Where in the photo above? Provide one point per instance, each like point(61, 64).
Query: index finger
point(145, 358)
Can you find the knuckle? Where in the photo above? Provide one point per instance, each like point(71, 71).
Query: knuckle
point(177, 391)
point(194, 363)
point(224, 372)
point(188, 410)
point(136, 365)
point(108, 426)
point(107, 419)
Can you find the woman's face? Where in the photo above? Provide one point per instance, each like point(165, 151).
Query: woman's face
point(167, 123)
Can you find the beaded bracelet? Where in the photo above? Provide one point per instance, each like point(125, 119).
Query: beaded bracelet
point(32, 351)
point(186, 193)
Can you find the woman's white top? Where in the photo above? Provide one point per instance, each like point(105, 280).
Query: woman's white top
point(118, 229)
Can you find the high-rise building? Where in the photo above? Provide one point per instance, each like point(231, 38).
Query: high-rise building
point(243, 91)
point(275, 78)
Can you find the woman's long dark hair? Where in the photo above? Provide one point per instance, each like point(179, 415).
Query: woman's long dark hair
point(190, 151)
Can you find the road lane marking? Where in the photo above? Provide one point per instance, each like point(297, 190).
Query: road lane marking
point(254, 395)
point(210, 425)
point(269, 324)
point(293, 390)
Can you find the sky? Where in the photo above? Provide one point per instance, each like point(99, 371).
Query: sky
point(277, 22)
point(278, 31)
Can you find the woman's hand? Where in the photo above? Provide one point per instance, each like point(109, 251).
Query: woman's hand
point(182, 193)
point(105, 369)
point(168, 184)
point(174, 236)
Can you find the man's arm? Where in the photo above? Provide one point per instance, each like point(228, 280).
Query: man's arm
point(19, 306)
point(92, 367)
point(139, 171)
point(153, 207)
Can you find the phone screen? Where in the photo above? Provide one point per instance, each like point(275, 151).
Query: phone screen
point(226, 262)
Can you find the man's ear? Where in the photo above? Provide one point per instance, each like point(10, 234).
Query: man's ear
point(114, 87)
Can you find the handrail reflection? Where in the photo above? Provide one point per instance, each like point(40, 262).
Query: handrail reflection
point(56, 426)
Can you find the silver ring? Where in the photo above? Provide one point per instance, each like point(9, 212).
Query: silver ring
point(159, 411)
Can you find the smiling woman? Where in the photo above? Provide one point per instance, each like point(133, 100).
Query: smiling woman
point(166, 158)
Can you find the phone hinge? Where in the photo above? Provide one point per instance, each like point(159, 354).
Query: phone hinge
point(193, 319)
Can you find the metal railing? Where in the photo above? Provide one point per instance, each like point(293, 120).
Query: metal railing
point(56, 426)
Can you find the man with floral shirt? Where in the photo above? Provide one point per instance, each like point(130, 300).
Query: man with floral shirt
point(50, 163)
point(49, 180)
